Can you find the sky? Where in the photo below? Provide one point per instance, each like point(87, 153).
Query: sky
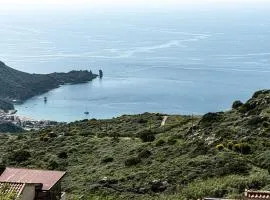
point(9, 6)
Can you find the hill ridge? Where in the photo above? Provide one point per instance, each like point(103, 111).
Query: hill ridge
point(133, 157)
point(19, 86)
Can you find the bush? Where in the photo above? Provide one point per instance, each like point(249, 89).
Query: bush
point(53, 164)
point(160, 142)
point(52, 134)
point(237, 104)
point(230, 145)
point(246, 107)
point(172, 141)
point(263, 160)
point(132, 161)
point(115, 137)
point(142, 121)
point(145, 154)
point(20, 156)
point(255, 120)
point(237, 148)
point(85, 133)
point(63, 155)
point(243, 148)
point(226, 163)
point(147, 136)
point(7, 193)
point(220, 147)
point(107, 160)
point(44, 138)
point(209, 118)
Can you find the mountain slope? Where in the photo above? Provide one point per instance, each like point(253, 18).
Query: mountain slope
point(134, 157)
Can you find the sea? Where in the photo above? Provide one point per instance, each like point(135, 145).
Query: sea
point(171, 62)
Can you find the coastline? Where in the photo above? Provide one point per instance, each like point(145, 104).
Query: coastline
point(25, 122)
point(17, 86)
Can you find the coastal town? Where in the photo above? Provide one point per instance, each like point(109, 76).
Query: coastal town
point(24, 122)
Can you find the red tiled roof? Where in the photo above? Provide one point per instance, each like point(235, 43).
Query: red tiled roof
point(18, 175)
point(17, 188)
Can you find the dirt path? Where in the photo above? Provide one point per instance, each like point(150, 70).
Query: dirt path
point(164, 120)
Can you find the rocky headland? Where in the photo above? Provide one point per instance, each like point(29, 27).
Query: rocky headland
point(17, 86)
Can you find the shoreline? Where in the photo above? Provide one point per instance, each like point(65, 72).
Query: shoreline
point(25, 122)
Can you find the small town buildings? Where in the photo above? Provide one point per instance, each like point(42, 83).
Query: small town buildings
point(32, 184)
point(256, 195)
point(249, 195)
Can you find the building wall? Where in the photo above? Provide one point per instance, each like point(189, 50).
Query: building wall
point(56, 191)
point(29, 192)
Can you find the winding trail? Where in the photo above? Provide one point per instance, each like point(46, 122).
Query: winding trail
point(164, 120)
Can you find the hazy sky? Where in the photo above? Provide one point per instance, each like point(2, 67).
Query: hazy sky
point(11, 5)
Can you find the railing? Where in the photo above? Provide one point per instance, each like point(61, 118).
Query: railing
point(257, 195)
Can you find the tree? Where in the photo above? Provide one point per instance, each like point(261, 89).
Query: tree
point(147, 136)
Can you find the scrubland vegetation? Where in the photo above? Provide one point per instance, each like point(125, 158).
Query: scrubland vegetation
point(134, 157)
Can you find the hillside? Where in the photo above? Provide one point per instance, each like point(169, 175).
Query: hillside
point(17, 85)
point(8, 127)
point(5, 105)
point(133, 157)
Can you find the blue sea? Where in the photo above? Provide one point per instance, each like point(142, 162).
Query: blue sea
point(175, 62)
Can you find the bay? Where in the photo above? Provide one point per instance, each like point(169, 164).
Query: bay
point(168, 62)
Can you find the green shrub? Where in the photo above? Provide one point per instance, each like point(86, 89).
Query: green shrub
point(63, 155)
point(115, 136)
point(245, 148)
point(132, 161)
point(145, 154)
point(85, 133)
point(230, 145)
point(237, 148)
point(210, 118)
point(255, 120)
point(52, 134)
point(237, 104)
point(172, 141)
point(7, 193)
point(142, 121)
point(53, 164)
point(107, 159)
point(20, 156)
point(263, 160)
point(246, 107)
point(44, 138)
point(21, 136)
point(220, 147)
point(160, 142)
point(147, 136)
